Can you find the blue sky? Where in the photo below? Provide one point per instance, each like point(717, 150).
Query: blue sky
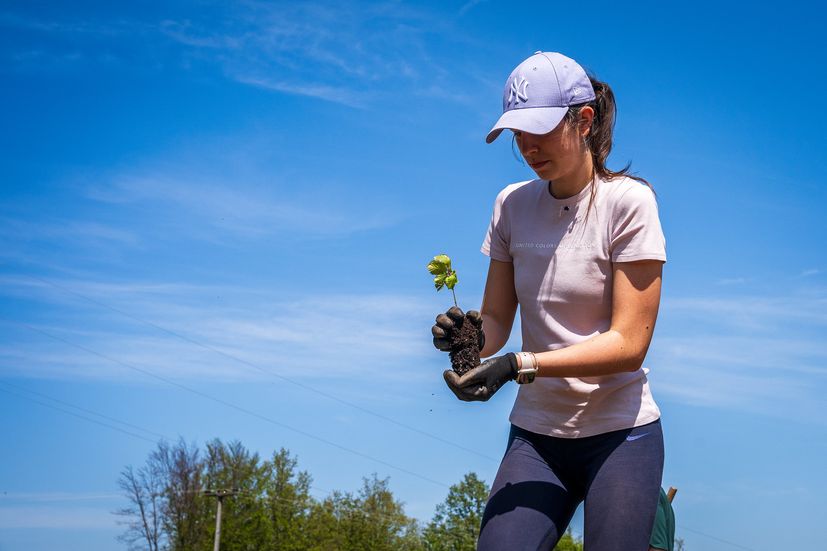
point(207, 201)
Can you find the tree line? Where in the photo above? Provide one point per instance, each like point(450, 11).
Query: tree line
point(271, 508)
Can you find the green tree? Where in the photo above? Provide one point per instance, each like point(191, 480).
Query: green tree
point(569, 543)
point(144, 490)
point(166, 509)
point(244, 524)
point(456, 523)
point(184, 511)
point(287, 503)
point(371, 520)
point(273, 509)
point(383, 518)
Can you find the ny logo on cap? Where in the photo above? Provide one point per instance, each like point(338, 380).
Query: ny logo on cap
point(518, 90)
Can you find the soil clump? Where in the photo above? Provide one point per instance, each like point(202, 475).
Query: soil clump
point(465, 347)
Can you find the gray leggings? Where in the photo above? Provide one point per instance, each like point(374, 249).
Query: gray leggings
point(542, 479)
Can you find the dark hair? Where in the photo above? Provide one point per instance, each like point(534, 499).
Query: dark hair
point(599, 138)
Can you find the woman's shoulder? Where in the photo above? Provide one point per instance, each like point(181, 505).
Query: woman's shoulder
point(622, 190)
point(510, 188)
point(517, 190)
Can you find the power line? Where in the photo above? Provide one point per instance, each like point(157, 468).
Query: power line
point(233, 406)
point(733, 544)
point(40, 394)
point(253, 495)
point(246, 492)
point(113, 427)
point(257, 497)
point(249, 364)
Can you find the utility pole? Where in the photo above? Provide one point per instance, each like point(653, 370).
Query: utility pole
point(219, 495)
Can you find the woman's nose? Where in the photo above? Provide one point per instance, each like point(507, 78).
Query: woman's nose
point(528, 145)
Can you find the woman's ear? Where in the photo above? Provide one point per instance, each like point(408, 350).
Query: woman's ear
point(586, 118)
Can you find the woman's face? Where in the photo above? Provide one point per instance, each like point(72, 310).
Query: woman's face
point(558, 153)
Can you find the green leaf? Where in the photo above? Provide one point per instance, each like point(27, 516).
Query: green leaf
point(437, 268)
point(440, 264)
point(439, 281)
point(451, 280)
point(443, 259)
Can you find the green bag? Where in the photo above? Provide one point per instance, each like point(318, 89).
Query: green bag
point(663, 532)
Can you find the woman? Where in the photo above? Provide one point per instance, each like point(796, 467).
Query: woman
point(581, 250)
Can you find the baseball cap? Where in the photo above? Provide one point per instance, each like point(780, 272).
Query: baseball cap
point(539, 92)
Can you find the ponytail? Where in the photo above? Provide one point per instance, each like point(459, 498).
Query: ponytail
point(599, 138)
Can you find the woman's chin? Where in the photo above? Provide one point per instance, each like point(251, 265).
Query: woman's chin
point(545, 174)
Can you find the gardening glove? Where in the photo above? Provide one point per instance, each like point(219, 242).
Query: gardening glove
point(446, 324)
point(480, 384)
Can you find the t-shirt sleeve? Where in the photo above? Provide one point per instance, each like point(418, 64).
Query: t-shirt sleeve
point(498, 237)
point(636, 233)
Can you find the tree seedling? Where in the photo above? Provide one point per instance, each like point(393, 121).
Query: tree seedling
point(444, 276)
point(465, 345)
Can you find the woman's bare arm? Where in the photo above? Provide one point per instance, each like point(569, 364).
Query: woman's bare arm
point(635, 302)
point(499, 306)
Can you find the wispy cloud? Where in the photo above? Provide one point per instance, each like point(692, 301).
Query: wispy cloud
point(218, 195)
point(211, 209)
point(230, 189)
point(86, 233)
point(332, 51)
point(41, 240)
point(784, 354)
point(339, 52)
point(52, 517)
point(76, 26)
point(38, 52)
point(468, 5)
point(155, 210)
point(345, 96)
point(731, 281)
point(8, 497)
point(738, 490)
point(255, 326)
point(753, 312)
point(760, 354)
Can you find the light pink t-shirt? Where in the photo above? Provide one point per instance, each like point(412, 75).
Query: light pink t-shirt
point(563, 279)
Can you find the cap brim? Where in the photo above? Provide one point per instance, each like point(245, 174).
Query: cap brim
point(534, 120)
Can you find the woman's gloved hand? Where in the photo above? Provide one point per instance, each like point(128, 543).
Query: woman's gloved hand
point(480, 384)
point(446, 324)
